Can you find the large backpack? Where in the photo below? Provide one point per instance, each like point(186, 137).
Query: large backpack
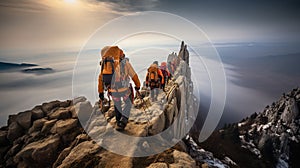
point(110, 66)
point(153, 78)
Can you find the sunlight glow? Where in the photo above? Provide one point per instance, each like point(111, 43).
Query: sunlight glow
point(70, 1)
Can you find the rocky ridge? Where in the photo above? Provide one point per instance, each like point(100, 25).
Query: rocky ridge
point(53, 134)
point(266, 139)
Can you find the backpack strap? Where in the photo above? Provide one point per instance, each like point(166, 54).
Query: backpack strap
point(112, 63)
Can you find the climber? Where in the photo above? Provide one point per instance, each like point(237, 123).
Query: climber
point(164, 69)
point(154, 80)
point(114, 78)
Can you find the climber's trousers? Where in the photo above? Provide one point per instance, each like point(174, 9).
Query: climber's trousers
point(122, 112)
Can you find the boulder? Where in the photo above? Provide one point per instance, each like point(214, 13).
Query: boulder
point(37, 112)
point(60, 113)
point(73, 111)
point(83, 110)
point(157, 124)
point(97, 131)
point(24, 119)
point(13, 150)
point(11, 119)
point(65, 103)
point(3, 152)
point(82, 155)
point(78, 99)
point(39, 153)
point(48, 107)
point(62, 156)
point(63, 126)
point(48, 125)
point(37, 125)
point(69, 137)
point(14, 131)
point(290, 112)
point(3, 139)
point(169, 111)
point(182, 159)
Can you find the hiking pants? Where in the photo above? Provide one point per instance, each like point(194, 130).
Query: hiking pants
point(118, 105)
point(154, 93)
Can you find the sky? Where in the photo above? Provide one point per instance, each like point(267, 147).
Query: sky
point(33, 25)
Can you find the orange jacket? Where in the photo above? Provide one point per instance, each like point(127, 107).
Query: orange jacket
point(159, 73)
point(129, 72)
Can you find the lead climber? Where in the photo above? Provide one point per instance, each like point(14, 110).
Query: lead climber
point(154, 80)
point(114, 77)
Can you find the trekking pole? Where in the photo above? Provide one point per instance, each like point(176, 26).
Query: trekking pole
point(147, 118)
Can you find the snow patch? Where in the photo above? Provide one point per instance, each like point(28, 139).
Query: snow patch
point(264, 127)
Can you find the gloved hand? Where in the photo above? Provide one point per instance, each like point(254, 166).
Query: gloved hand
point(137, 88)
point(101, 96)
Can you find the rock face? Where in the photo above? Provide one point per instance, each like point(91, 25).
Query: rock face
point(270, 138)
point(52, 134)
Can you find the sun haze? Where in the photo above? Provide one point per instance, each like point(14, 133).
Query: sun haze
point(70, 1)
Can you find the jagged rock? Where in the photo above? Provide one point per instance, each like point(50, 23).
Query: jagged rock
point(16, 148)
point(83, 110)
point(110, 113)
point(157, 124)
point(24, 119)
point(3, 151)
point(269, 135)
point(63, 126)
point(78, 99)
point(170, 111)
point(290, 112)
point(182, 159)
point(82, 155)
point(180, 146)
point(37, 125)
point(48, 107)
point(11, 119)
point(47, 126)
point(3, 139)
point(69, 137)
point(60, 114)
point(73, 111)
point(41, 152)
point(65, 104)
point(204, 165)
point(37, 113)
point(63, 154)
point(80, 138)
point(97, 130)
point(14, 131)
point(158, 165)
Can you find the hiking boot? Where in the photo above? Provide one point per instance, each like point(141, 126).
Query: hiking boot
point(119, 126)
point(122, 123)
point(124, 120)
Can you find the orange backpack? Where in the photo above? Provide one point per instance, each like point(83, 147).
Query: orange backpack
point(110, 64)
point(153, 78)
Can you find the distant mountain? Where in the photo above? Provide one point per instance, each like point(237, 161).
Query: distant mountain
point(38, 70)
point(267, 139)
point(8, 66)
point(24, 68)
